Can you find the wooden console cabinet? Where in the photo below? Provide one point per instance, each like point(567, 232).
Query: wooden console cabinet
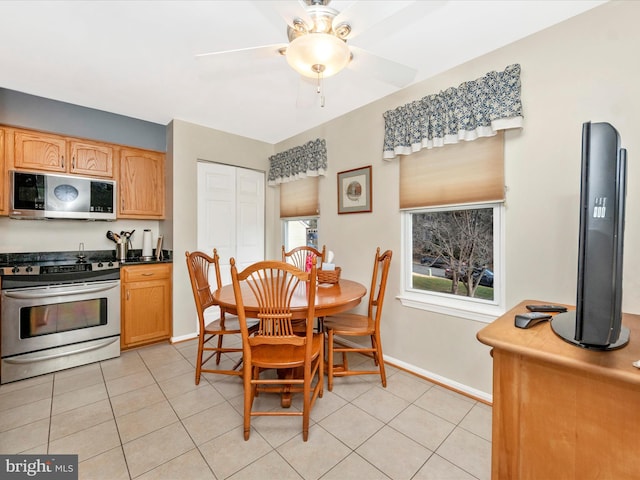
point(145, 304)
point(561, 411)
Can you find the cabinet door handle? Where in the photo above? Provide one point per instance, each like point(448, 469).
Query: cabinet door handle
point(73, 163)
point(147, 274)
point(128, 294)
point(62, 157)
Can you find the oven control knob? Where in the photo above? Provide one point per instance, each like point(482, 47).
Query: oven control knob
point(29, 269)
point(100, 265)
point(15, 270)
point(110, 264)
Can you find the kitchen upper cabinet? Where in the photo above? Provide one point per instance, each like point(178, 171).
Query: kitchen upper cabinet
point(141, 184)
point(39, 151)
point(91, 159)
point(140, 173)
point(145, 304)
point(59, 154)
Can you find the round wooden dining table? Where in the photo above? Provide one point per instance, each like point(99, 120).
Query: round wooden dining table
point(330, 299)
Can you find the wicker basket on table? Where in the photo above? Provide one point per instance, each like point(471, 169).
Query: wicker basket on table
point(329, 276)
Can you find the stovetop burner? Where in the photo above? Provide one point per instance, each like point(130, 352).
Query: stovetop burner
point(52, 268)
point(55, 263)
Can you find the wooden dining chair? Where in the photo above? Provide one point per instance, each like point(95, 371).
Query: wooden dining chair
point(275, 345)
point(298, 256)
point(211, 335)
point(353, 324)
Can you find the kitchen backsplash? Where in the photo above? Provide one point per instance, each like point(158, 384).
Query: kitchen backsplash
point(66, 235)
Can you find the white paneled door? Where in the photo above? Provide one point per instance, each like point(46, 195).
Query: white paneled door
point(231, 214)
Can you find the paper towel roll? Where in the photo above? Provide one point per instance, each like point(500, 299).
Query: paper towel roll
point(147, 249)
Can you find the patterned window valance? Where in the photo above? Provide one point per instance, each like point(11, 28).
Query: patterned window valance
point(306, 160)
point(474, 109)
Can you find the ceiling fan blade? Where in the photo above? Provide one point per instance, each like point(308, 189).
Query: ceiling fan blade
point(377, 19)
point(262, 51)
point(275, 11)
point(364, 14)
point(392, 21)
point(239, 58)
point(388, 71)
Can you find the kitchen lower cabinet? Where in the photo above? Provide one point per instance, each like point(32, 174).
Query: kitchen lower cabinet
point(145, 304)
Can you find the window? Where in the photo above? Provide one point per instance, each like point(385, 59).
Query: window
point(298, 232)
point(452, 201)
point(453, 260)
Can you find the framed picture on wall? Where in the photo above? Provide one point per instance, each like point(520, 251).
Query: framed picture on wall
point(354, 190)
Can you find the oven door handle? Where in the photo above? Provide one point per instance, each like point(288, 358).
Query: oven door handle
point(47, 294)
point(33, 358)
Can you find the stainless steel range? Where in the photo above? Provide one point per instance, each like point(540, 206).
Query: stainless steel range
point(58, 314)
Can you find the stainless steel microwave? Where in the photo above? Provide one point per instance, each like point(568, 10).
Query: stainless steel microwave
point(47, 195)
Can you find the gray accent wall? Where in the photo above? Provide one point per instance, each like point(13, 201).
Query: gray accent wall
point(29, 111)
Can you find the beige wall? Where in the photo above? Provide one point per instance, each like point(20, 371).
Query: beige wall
point(187, 144)
point(584, 69)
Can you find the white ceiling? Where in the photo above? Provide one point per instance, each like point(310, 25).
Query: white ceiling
point(138, 58)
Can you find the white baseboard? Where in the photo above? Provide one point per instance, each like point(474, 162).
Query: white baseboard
point(434, 377)
point(182, 338)
point(431, 376)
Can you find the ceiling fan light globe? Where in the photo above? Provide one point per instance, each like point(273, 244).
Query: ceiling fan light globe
point(314, 49)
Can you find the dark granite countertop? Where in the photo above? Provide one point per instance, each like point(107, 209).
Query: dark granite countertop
point(140, 261)
point(91, 256)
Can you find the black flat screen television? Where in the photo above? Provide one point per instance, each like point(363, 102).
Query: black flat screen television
point(596, 322)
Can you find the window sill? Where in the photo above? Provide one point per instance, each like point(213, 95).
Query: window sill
point(461, 308)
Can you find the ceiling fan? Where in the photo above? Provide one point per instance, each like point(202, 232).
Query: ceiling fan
point(319, 38)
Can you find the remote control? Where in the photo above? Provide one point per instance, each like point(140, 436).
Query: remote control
point(526, 320)
point(546, 308)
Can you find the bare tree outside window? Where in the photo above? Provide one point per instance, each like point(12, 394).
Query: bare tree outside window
point(453, 252)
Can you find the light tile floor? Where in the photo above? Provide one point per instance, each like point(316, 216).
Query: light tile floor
point(142, 416)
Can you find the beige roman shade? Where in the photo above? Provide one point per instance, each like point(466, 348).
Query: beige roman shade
point(459, 173)
point(299, 198)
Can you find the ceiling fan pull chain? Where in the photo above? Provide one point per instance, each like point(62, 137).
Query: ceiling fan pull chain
point(319, 69)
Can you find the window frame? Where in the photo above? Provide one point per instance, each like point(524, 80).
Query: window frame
point(284, 225)
point(464, 307)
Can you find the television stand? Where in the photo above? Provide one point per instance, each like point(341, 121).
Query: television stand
point(561, 411)
point(564, 325)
